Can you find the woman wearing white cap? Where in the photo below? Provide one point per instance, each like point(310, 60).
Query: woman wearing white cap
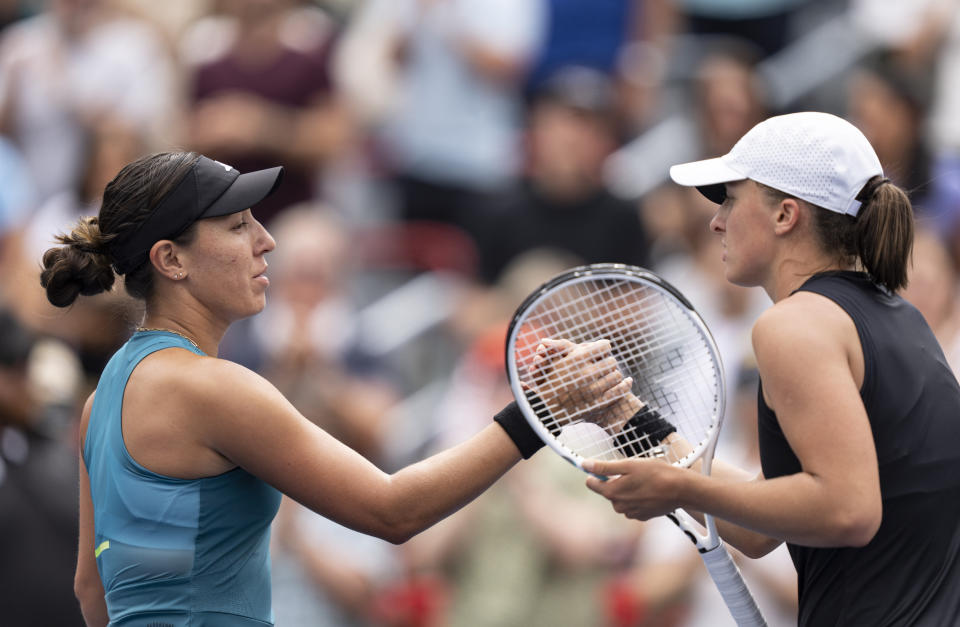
point(184, 455)
point(859, 413)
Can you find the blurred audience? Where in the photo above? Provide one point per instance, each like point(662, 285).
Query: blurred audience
point(442, 158)
point(38, 478)
point(728, 98)
point(587, 34)
point(766, 23)
point(889, 101)
point(260, 93)
point(452, 139)
point(16, 195)
point(77, 64)
point(934, 290)
point(308, 332)
point(561, 201)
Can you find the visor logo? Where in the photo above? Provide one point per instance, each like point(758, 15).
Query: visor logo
point(225, 166)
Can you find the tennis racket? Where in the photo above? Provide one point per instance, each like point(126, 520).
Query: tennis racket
point(576, 336)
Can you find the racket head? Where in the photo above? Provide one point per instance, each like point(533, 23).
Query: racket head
point(656, 337)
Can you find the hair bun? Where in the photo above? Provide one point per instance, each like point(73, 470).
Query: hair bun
point(78, 266)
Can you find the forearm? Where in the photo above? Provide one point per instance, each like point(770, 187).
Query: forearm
point(92, 605)
point(778, 508)
point(747, 541)
point(430, 490)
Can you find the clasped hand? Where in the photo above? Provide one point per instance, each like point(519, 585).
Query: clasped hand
point(582, 382)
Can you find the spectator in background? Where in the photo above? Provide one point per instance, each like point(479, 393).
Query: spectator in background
point(452, 139)
point(561, 202)
point(590, 34)
point(323, 573)
point(913, 32)
point(933, 289)
point(38, 477)
point(77, 64)
point(639, 78)
point(308, 332)
point(729, 98)
point(260, 94)
point(889, 101)
point(16, 198)
point(765, 23)
point(729, 94)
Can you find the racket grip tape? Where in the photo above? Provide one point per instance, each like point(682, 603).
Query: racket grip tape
point(519, 430)
point(732, 587)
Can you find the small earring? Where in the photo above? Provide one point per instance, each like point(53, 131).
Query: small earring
point(179, 275)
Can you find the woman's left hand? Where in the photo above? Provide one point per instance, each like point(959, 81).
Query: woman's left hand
point(637, 488)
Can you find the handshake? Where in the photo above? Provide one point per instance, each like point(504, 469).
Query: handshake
point(580, 394)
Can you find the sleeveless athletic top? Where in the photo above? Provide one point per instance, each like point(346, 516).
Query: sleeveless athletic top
point(909, 574)
point(173, 552)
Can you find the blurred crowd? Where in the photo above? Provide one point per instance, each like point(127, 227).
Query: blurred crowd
point(443, 158)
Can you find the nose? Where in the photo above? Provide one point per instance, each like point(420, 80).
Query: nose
point(716, 223)
point(265, 242)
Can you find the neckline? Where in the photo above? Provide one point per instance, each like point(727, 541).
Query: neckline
point(170, 331)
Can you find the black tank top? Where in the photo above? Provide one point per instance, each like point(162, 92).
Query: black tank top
point(909, 574)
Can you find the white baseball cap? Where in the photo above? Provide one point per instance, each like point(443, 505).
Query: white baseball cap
point(817, 157)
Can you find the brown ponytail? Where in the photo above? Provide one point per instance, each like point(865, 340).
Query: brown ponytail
point(885, 228)
point(78, 267)
point(879, 238)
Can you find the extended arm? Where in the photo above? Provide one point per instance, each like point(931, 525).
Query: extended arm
point(235, 414)
point(254, 426)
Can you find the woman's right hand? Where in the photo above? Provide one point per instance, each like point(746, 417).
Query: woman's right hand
point(582, 382)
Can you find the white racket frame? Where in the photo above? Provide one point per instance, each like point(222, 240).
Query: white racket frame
point(716, 558)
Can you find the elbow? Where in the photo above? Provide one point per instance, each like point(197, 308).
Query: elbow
point(757, 546)
point(394, 525)
point(397, 531)
point(89, 592)
point(856, 528)
point(397, 536)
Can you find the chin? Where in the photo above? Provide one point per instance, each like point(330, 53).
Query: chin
point(256, 307)
point(733, 277)
point(260, 306)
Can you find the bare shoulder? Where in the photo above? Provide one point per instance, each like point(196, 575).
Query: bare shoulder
point(204, 384)
point(804, 319)
point(209, 405)
point(805, 344)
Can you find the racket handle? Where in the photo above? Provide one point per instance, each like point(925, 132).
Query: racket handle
point(732, 587)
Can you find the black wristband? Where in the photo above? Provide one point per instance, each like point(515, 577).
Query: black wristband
point(519, 430)
point(648, 426)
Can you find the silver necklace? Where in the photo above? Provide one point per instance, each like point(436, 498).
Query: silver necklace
point(197, 346)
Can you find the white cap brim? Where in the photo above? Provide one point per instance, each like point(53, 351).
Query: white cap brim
point(706, 172)
point(707, 175)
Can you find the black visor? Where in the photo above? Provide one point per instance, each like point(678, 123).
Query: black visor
point(208, 190)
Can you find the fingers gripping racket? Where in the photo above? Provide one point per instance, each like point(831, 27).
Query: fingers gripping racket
point(600, 358)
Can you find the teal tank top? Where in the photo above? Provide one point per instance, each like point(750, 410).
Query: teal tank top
point(173, 552)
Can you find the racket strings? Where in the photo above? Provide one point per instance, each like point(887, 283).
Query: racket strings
point(653, 339)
